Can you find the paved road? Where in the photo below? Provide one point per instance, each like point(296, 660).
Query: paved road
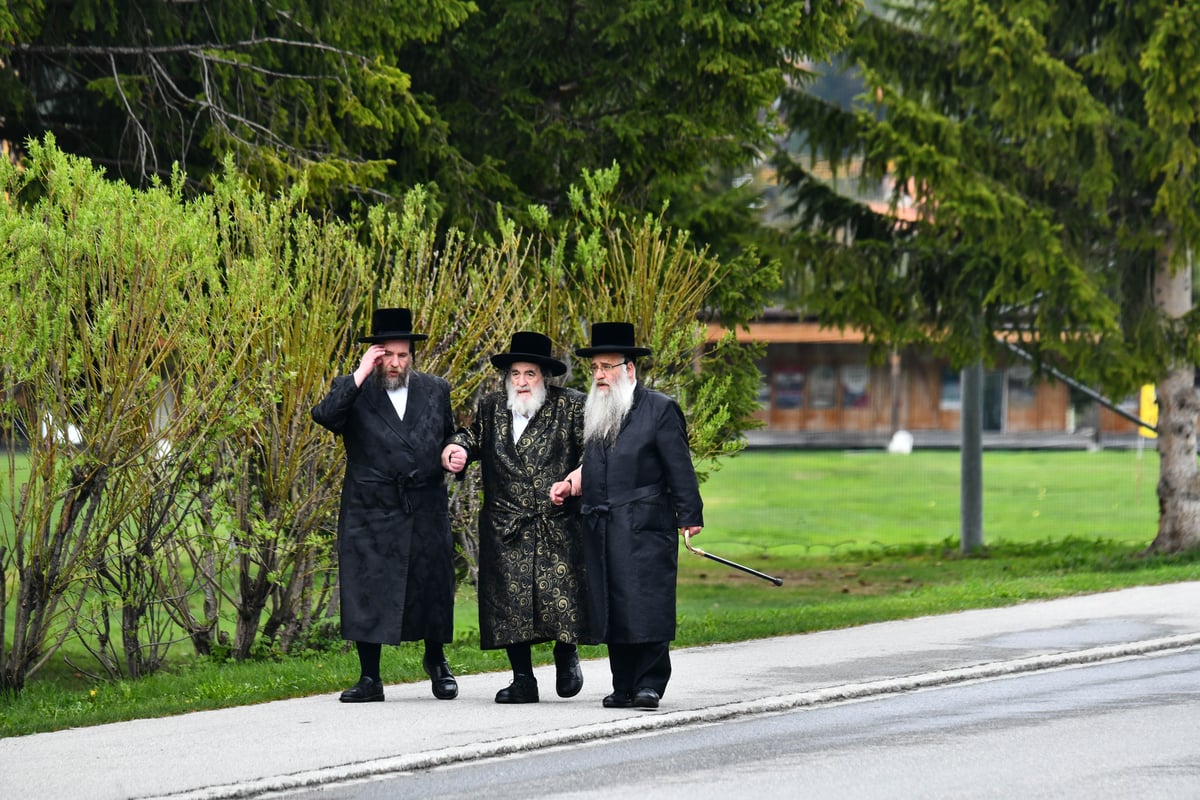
point(253, 750)
point(1111, 730)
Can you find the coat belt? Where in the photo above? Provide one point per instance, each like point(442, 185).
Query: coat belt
point(622, 499)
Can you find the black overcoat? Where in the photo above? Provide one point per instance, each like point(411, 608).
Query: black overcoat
point(530, 559)
point(637, 493)
point(395, 548)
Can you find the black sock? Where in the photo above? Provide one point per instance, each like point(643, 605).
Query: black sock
point(562, 649)
point(368, 658)
point(521, 658)
point(434, 653)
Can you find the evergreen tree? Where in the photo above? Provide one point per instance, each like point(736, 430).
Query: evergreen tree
point(530, 93)
point(485, 102)
point(286, 88)
point(1041, 162)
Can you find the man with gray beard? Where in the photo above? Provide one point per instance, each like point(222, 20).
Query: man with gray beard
point(639, 492)
point(531, 579)
point(395, 549)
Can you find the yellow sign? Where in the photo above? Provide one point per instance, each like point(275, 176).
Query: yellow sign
point(1148, 411)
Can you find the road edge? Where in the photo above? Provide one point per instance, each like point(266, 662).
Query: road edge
point(645, 722)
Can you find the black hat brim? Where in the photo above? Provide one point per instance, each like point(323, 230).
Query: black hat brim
point(380, 338)
point(632, 352)
point(552, 366)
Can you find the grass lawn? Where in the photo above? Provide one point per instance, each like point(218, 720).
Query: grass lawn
point(857, 537)
point(862, 537)
point(775, 504)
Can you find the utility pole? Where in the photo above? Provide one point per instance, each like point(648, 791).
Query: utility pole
point(971, 479)
point(894, 361)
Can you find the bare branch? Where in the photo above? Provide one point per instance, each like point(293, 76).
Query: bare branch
point(144, 142)
point(158, 50)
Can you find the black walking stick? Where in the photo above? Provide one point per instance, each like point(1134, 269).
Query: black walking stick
point(687, 542)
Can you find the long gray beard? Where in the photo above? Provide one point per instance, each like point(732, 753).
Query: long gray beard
point(392, 384)
point(525, 406)
point(605, 411)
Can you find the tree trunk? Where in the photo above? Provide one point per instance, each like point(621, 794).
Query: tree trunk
point(1179, 477)
point(252, 599)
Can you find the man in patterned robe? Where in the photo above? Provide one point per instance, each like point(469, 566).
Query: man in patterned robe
point(526, 437)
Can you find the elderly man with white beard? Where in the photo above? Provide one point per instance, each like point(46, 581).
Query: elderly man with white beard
point(531, 578)
point(639, 493)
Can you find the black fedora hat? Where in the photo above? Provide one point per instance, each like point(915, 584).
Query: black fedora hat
point(388, 324)
point(532, 347)
point(612, 337)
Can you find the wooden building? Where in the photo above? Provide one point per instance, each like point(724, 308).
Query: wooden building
point(819, 387)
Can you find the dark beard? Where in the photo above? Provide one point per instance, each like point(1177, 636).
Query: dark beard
point(399, 382)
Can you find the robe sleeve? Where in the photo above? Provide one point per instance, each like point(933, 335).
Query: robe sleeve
point(470, 438)
point(334, 409)
point(671, 439)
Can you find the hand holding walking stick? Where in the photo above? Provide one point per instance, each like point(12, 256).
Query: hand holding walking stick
point(687, 542)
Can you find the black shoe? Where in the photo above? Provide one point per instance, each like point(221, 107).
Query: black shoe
point(523, 689)
point(645, 698)
point(367, 690)
point(618, 700)
point(568, 674)
point(444, 685)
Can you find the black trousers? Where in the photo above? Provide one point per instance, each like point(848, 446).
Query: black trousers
point(645, 665)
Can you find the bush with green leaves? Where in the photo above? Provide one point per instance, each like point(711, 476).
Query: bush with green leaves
point(166, 481)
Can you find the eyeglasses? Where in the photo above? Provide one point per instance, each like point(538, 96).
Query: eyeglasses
point(602, 367)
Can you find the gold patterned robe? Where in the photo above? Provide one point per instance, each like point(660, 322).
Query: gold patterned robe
point(531, 579)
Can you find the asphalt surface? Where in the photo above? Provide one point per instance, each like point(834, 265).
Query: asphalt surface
point(273, 747)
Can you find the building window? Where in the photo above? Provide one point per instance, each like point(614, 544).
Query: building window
point(950, 398)
point(1021, 392)
point(822, 393)
point(856, 381)
point(789, 389)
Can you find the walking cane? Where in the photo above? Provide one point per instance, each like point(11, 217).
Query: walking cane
point(687, 542)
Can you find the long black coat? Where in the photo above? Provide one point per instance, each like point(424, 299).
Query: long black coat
point(530, 559)
point(636, 495)
point(395, 549)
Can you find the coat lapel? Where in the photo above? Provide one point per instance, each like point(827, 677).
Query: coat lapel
point(381, 404)
point(504, 426)
point(638, 394)
point(418, 400)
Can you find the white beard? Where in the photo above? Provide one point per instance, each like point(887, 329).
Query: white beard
point(606, 410)
point(525, 405)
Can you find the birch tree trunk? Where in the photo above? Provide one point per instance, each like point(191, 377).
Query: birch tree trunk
point(1179, 477)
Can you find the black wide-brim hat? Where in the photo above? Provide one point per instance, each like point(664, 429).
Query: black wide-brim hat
point(534, 348)
point(612, 337)
point(388, 324)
